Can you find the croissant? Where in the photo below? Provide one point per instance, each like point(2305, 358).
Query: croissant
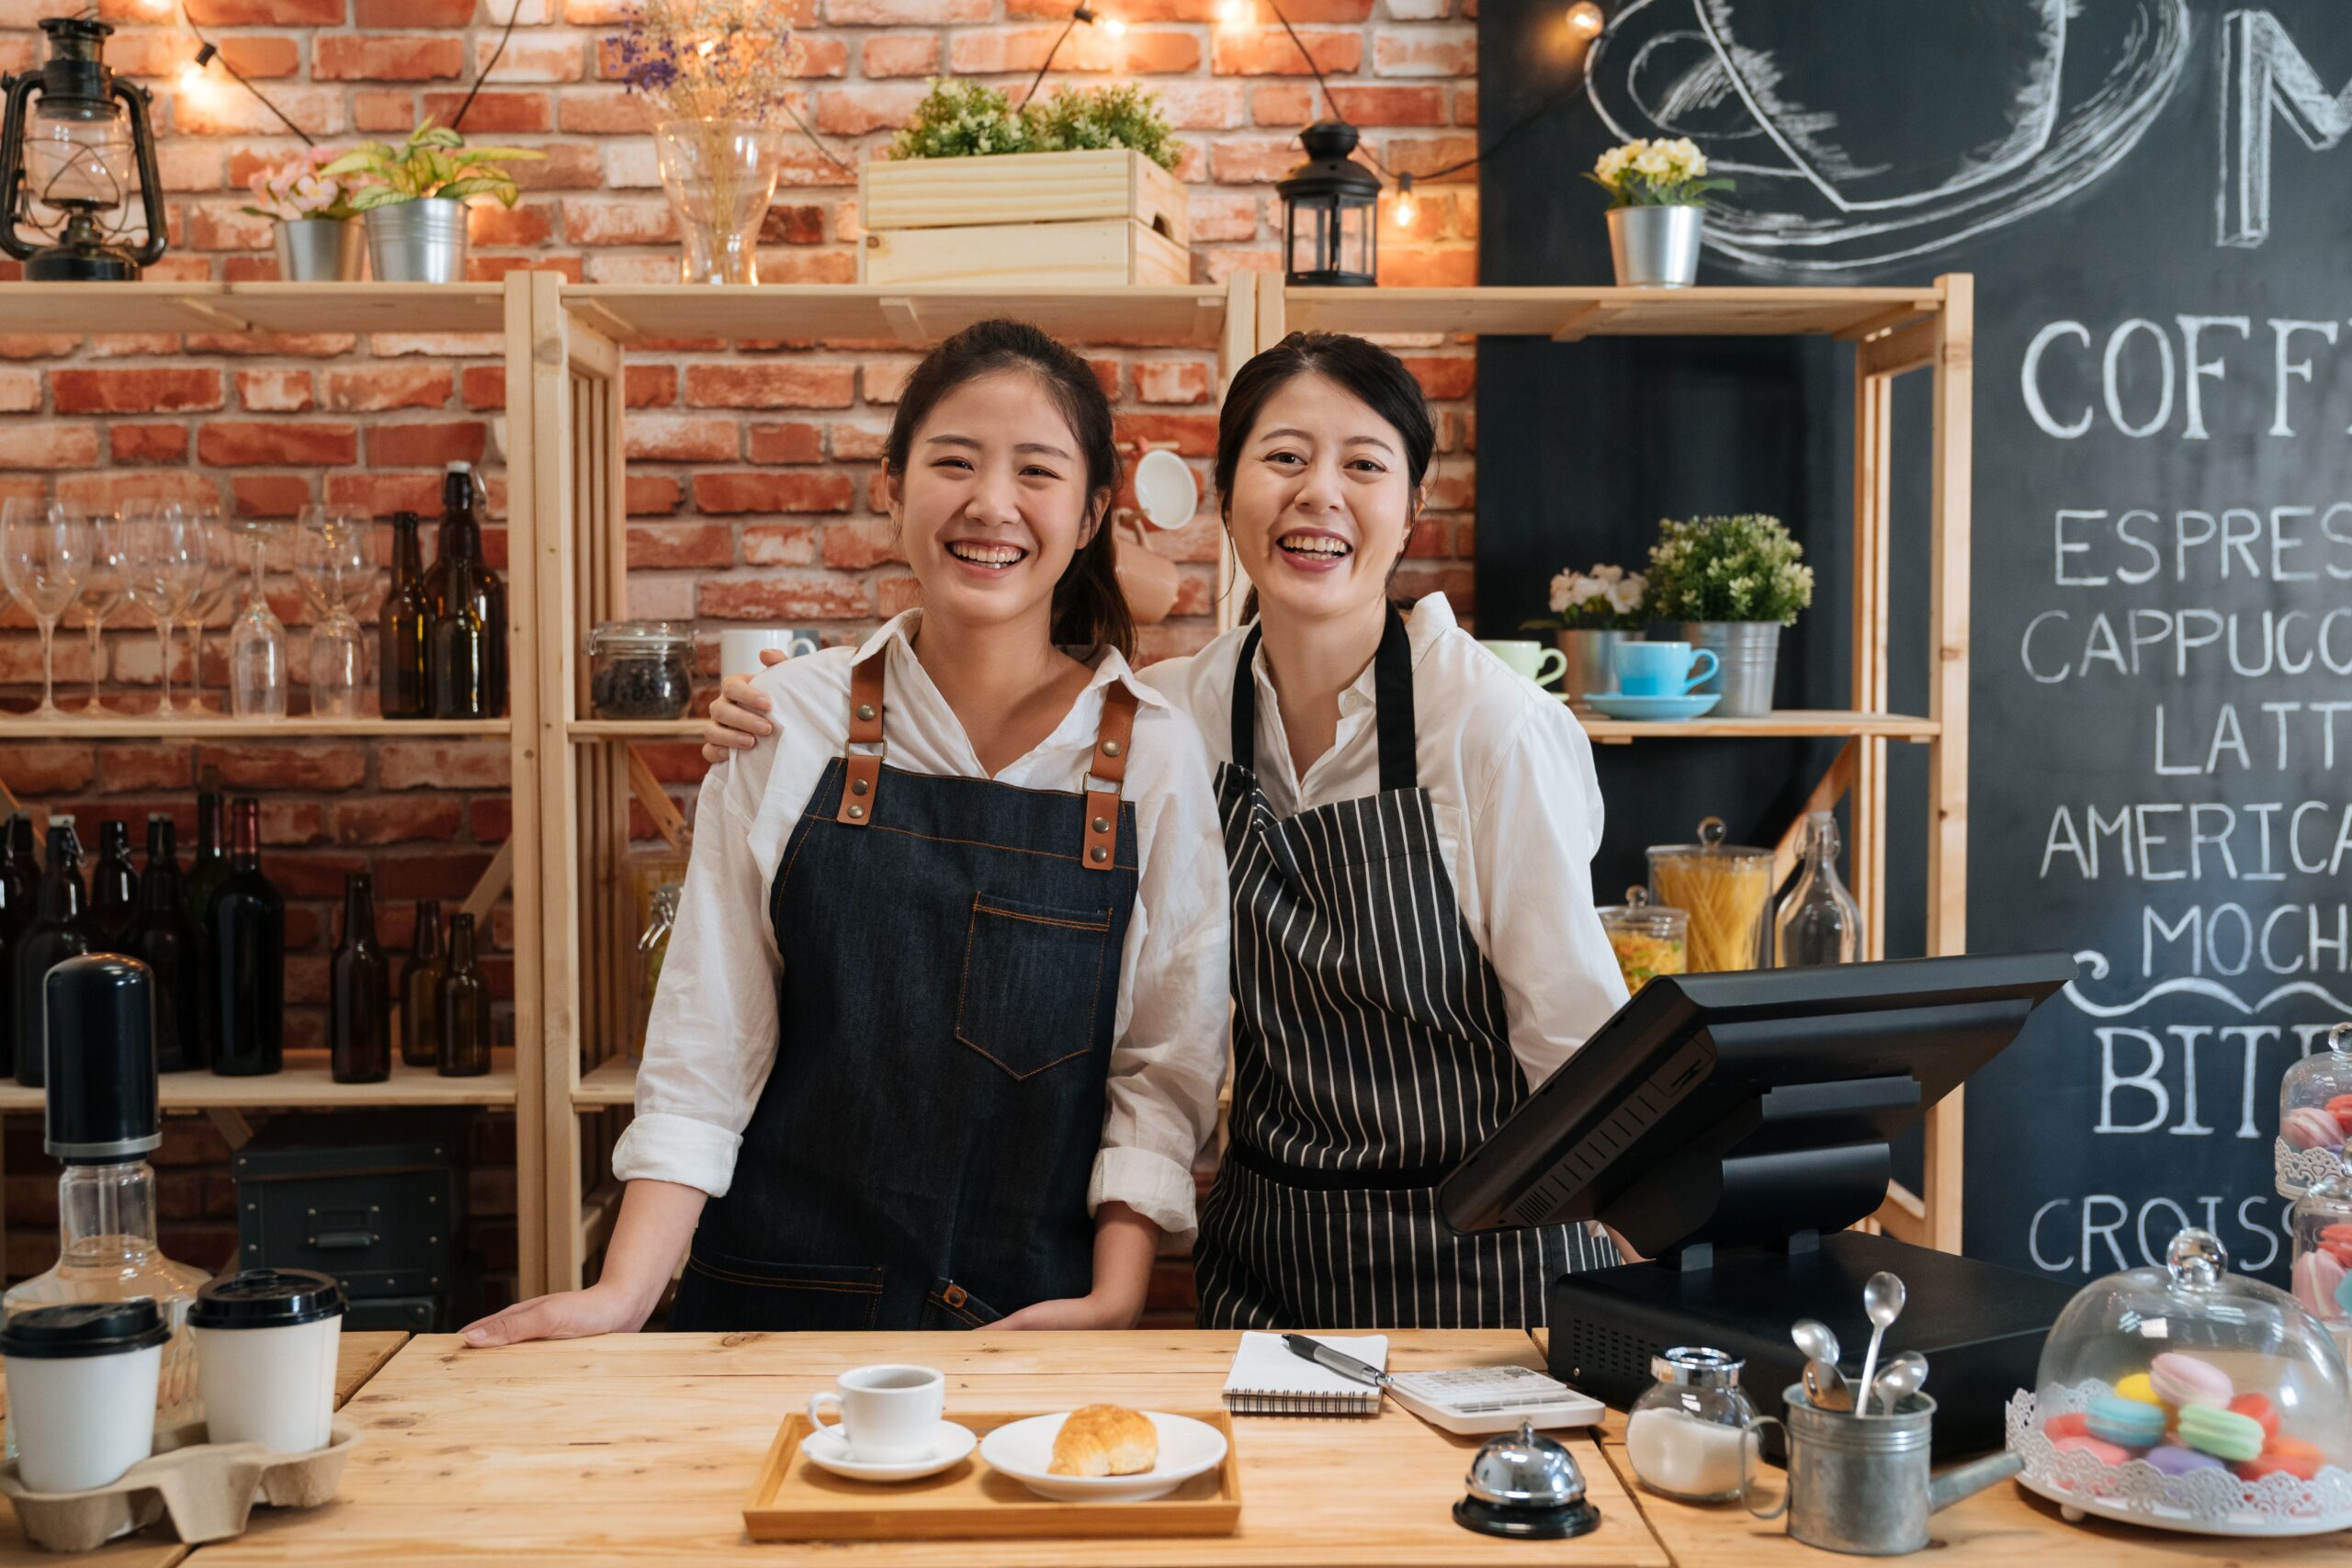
point(1104, 1439)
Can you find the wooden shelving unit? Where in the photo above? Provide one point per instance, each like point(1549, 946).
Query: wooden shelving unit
point(1893, 333)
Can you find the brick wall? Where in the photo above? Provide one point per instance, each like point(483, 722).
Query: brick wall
point(750, 475)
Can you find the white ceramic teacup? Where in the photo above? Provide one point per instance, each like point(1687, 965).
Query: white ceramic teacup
point(1540, 664)
point(889, 1413)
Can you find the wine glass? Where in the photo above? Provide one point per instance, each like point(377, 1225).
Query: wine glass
point(44, 554)
point(256, 639)
point(224, 568)
point(162, 552)
point(331, 562)
point(102, 590)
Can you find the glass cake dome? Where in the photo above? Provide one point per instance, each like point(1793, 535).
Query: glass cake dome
point(2314, 1115)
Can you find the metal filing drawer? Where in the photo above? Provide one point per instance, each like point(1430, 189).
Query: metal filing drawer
point(374, 1199)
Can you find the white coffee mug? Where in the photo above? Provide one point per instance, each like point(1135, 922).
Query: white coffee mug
point(739, 647)
point(888, 1414)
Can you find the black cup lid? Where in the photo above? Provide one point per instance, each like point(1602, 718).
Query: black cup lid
point(266, 1298)
point(84, 1329)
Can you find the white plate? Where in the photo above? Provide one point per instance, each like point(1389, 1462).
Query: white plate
point(1024, 1449)
point(949, 1445)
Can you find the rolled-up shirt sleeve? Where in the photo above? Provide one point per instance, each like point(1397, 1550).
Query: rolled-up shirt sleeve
point(1168, 1053)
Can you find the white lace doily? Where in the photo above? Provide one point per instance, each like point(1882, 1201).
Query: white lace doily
point(2205, 1501)
point(2294, 1170)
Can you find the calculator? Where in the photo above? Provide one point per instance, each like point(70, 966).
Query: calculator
point(1478, 1400)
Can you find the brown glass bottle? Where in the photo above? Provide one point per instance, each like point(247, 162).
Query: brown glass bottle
point(244, 958)
point(359, 992)
point(164, 938)
point(20, 875)
point(421, 991)
point(114, 888)
point(61, 930)
point(460, 540)
point(464, 1007)
point(460, 649)
point(403, 676)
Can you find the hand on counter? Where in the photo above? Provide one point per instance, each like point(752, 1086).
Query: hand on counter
point(737, 718)
point(566, 1315)
point(1073, 1312)
point(657, 1219)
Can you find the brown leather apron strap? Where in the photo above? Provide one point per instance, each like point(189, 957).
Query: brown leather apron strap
point(862, 771)
point(1108, 766)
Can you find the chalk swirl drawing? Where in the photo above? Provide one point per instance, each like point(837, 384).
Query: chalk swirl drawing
point(2193, 987)
point(2033, 100)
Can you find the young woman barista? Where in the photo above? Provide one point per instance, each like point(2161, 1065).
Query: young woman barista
point(941, 1029)
point(1409, 828)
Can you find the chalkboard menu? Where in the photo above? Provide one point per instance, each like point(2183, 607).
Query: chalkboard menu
point(2156, 198)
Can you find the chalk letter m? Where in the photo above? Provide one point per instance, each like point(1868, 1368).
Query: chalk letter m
point(2261, 70)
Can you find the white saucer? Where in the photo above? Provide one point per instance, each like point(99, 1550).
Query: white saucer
point(950, 1445)
point(1025, 1451)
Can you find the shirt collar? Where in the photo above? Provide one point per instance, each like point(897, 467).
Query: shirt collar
point(1430, 618)
point(1109, 666)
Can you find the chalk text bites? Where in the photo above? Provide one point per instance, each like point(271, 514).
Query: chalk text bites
point(2145, 385)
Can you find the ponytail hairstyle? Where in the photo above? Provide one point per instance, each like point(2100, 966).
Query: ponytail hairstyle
point(1089, 609)
point(1373, 375)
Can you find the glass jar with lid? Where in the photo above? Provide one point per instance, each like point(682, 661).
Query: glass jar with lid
point(1648, 939)
point(640, 670)
point(2187, 1397)
point(1727, 891)
point(1689, 1436)
point(2322, 1272)
point(2314, 1115)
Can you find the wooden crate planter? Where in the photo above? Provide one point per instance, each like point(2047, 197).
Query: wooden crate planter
point(1025, 220)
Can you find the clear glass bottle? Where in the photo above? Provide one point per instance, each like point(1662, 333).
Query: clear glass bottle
point(1818, 922)
point(2322, 1271)
point(1688, 1435)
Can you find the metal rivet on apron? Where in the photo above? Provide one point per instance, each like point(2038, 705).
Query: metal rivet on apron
point(1098, 854)
point(865, 711)
point(1101, 824)
point(954, 1296)
point(857, 813)
point(1112, 748)
point(857, 786)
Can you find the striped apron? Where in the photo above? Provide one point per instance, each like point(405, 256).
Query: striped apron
point(1371, 1056)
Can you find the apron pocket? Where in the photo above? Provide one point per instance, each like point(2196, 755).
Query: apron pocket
point(723, 1291)
point(1032, 982)
point(950, 1305)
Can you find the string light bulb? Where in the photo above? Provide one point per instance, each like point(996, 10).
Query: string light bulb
point(191, 75)
point(1584, 20)
point(1405, 209)
point(1234, 12)
point(1116, 25)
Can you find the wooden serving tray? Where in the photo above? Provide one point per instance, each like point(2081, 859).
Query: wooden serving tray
point(793, 1500)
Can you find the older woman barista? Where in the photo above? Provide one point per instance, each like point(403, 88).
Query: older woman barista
point(1408, 828)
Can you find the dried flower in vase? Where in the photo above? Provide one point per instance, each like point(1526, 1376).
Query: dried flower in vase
point(711, 60)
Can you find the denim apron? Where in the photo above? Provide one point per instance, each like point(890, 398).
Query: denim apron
point(920, 1154)
point(1371, 1056)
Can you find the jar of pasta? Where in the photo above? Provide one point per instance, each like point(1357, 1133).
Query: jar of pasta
point(1726, 889)
point(1648, 939)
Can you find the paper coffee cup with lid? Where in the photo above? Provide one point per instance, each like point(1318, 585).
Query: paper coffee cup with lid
point(265, 1357)
point(81, 1381)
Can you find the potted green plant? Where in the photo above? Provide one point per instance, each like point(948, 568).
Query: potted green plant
point(412, 200)
point(1733, 582)
point(1656, 210)
point(1592, 612)
point(317, 241)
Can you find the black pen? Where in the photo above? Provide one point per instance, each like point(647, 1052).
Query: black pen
point(1347, 1366)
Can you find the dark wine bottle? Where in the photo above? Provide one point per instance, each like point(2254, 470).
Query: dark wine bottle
point(19, 878)
point(244, 958)
point(403, 670)
point(359, 992)
point(421, 991)
point(114, 887)
point(464, 1007)
point(209, 869)
point(165, 938)
point(460, 540)
point(460, 649)
point(61, 930)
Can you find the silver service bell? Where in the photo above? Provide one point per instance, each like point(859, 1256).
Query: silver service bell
point(1526, 1486)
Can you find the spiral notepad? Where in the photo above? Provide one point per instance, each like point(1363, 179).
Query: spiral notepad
point(1267, 1380)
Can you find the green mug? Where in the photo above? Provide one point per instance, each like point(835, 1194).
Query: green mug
point(1540, 664)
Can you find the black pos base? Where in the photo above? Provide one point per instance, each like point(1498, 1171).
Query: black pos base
point(1731, 1127)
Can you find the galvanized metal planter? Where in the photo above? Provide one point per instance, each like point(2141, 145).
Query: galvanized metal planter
point(1656, 247)
point(418, 241)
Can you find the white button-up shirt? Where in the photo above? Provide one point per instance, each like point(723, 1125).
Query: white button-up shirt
point(1518, 807)
point(713, 1035)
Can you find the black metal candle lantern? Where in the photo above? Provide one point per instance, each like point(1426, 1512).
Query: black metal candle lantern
point(66, 160)
point(1329, 208)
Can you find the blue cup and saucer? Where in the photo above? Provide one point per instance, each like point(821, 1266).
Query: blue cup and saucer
point(1654, 681)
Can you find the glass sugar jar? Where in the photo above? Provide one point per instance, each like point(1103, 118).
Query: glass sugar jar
point(2314, 1115)
point(1689, 1436)
point(1649, 940)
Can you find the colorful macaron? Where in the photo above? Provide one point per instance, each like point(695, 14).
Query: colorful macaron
point(2264, 1413)
point(2224, 1434)
point(2318, 1276)
point(2284, 1456)
point(2071, 1425)
point(2080, 1443)
point(2137, 1386)
point(2308, 1127)
point(2181, 1379)
point(2340, 1107)
point(2127, 1422)
point(2173, 1459)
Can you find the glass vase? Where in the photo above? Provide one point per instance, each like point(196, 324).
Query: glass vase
point(1818, 922)
point(719, 174)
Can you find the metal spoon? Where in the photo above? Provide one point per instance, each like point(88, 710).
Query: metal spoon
point(1883, 1297)
point(1826, 1387)
point(1815, 1338)
point(1901, 1379)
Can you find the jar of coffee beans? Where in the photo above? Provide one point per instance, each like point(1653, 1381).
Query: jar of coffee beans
point(641, 670)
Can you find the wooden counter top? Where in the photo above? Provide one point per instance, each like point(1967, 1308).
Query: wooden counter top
point(358, 1356)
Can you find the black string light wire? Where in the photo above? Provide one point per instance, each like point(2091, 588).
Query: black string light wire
point(207, 51)
point(1092, 17)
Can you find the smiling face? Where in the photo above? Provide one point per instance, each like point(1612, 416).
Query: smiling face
point(1321, 502)
point(993, 502)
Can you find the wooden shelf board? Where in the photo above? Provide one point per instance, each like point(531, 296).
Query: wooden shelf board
point(607, 1083)
point(1781, 723)
point(912, 315)
point(138, 727)
point(633, 728)
point(305, 1084)
point(1602, 313)
point(293, 307)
